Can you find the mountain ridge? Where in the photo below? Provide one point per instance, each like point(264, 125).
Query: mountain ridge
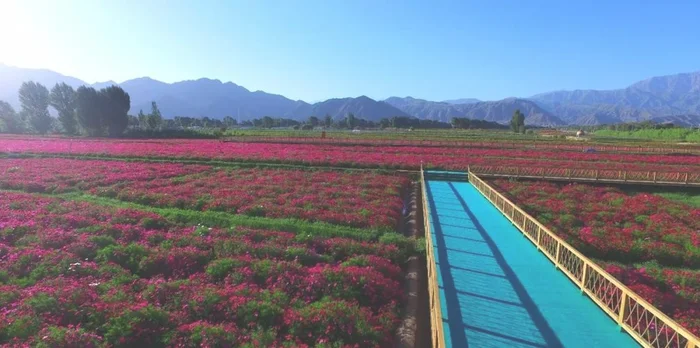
point(499, 111)
point(655, 98)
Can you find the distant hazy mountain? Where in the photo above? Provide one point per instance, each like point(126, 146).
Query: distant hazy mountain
point(496, 111)
point(100, 85)
point(462, 101)
point(648, 99)
point(502, 111)
point(425, 109)
point(362, 107)
point(11, 79)
point(204, 97)
point(673, 97)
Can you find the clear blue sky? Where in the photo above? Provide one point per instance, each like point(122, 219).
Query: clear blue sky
point(315, 50)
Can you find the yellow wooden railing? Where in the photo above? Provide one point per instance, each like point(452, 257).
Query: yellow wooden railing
point(645, 323)
point(437, 332)
point(601, 175)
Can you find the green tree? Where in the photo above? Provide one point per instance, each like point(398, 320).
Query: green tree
point(384, 123)
point(460, 122)
point(143, 119)
point(350, 121)
point(34, 98)
point(133, 122)
point(313, 121)
point(63, 100)
point(206, 121)
point(267, 122)
point(517, 123)
point(116, 105)
point(328, 120)
point(230, 121)
point(89, 109)
point(155, 119)
point(8, 116)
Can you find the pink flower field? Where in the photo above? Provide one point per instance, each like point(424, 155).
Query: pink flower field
point(61, 175)
point(82, 275)
point(354, 199)
point(406, 157)
point(188, 243)
point(648, 242)
point(357, 199)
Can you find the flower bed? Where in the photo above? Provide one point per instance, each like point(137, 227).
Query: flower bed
point(359, 156)
point(79, 274)
point(61, 175)
point(357, 199)
point(352, 199)
point(485, 140)
point(676, 292)
point(648, 242)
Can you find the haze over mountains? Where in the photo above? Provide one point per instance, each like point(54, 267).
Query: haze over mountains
point(496, 111)
point(673, 98)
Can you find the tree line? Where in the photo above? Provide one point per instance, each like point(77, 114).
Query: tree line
point(83, 111)
point(631, 126)
point(105, 112)
point(350, 121)
point(467, 123)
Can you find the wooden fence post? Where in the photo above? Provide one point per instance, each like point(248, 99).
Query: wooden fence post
point(621, 314)
point(583, 276)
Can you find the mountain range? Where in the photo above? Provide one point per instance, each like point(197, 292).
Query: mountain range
point(673, 98)
point(499, 111)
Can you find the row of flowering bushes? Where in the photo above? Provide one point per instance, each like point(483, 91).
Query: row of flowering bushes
point(352, 199)
point(80, 274)
point(676, 292)
point(357, 199)
point(485, 140)
point(58, 175)
point(362, 156)
point(456, 140)
point(648, 242)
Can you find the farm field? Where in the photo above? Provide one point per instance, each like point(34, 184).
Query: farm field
point(650, 243)
point(397, 157)
point(352, 199)
point(133, 253)
point(644, 139)
point(80, 274)
point(459, 139)
point(112, 242)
